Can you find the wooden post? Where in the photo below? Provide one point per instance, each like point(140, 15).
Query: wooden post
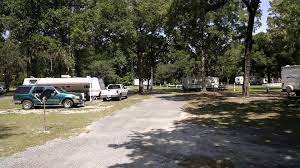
point(44, 102)
point(233, 87)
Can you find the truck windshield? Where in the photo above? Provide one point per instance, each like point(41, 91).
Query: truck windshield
point(114, 87)
point(61, 90)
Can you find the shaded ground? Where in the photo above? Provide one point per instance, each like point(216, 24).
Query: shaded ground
point(213, 130)
point(222, 130)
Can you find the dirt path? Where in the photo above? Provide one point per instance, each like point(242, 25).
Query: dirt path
point(96, 148)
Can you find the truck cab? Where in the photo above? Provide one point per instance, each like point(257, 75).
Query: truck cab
point(114, 91)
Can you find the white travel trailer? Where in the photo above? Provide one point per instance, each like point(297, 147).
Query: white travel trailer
point(290, 75)
point(239, 80)
point(90, 86)
point(190, 83)
point(145, 83)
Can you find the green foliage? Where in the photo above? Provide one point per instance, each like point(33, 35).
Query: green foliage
point(12, 62)
point(123, 40)
point(285, 31)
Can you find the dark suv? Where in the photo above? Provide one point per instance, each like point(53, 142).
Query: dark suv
point(30, 96)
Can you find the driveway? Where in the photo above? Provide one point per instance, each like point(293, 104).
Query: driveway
point(95, 148)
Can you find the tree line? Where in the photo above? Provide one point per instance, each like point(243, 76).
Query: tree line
point(119, 40)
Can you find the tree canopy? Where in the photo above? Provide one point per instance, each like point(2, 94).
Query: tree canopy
point(123, 40)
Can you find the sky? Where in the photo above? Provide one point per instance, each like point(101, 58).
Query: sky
point(264, 7)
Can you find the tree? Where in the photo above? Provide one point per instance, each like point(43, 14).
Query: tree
point(252, 7)
point(192, 20)
point(284, 32)
point(144, 25)
point(11, 61)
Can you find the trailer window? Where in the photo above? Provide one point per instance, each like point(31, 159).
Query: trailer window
point(32, 82)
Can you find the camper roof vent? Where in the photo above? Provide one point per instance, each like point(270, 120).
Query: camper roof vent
point(65, 76)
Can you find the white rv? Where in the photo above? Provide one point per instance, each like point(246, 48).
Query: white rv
point(190, 83)
point(90, 86)
point(290, 75)
point(239, 80)
point(136, 82)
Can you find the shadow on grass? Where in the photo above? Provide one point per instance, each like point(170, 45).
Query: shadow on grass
point(221, 132)
point(5, 131)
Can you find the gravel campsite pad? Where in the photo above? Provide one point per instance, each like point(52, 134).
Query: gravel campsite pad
point(94, 106)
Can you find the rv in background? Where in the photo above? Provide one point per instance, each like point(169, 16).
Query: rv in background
point(290, 76)
point(2, 87)
point(145, 83)
point(90, 86)
point(190, 83)
point(239, 80)
point(256, 80)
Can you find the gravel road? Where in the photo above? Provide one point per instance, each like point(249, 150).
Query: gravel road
point(96, 147)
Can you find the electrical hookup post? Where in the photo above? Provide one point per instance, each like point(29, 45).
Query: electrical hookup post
point(43, 99)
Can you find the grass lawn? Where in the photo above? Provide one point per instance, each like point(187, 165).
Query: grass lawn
point(7, 103)
point(19, 131)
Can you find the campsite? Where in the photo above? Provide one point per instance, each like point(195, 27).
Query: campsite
point(149, 83)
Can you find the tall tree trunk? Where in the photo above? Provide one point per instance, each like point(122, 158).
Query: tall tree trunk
point(252, 6)
point(7, 80)
point(151, 78)
point(203, 73)
point(140, 72)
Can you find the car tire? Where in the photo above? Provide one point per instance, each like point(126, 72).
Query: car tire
point(27, 104)
point(68, 103)
point(104, 99)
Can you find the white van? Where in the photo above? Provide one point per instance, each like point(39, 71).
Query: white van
point(90, 86)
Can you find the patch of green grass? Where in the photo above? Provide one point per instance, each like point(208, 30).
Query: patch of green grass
point(19, 131)
point(255, 89)
point(7, 103)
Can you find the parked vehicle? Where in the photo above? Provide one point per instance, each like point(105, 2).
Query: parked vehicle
point(1, 90)
point(239, 80)
point(2, 87)
point(136, 82)
point(190, 83)
point(30, 96)
point(114, 91)
point(90, 86)
point(290, 75)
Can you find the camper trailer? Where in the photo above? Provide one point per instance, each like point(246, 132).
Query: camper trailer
point(190, 83)
point(239, 80)
point(290, 75)
point(90, 86)
point(136, 82)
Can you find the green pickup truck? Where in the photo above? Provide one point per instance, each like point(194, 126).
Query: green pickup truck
point(30, 96)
